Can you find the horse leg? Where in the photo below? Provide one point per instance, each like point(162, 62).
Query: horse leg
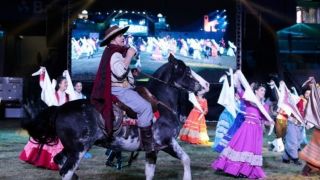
point(175, 150)
point(150, 165)
point(132, 157)
point(60, 158)
point(119, 160)
point(110, 157)
point(71, 165)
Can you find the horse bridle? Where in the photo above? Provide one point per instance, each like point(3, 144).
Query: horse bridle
point(175, 85)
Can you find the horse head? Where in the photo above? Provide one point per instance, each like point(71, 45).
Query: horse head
point(183, 76)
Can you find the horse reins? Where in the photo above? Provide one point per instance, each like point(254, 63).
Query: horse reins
point(164, 82)
point(169, 108)
point(175, 85)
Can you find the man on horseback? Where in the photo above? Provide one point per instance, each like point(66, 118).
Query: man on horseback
point(115, 78)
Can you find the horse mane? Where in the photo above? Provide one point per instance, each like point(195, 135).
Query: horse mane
point(163, 73)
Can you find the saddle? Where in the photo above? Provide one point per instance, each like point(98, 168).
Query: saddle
point(124, 115)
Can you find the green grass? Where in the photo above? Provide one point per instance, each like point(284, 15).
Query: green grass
point(12, 141)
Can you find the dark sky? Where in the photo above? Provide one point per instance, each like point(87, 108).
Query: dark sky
point(179, 13)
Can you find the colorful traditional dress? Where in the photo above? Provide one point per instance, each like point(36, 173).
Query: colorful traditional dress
point(243, 155)
point(194, 130)
point(225, 121)
point(311, 152)
point(233, 129)
point(45, 160)
point(281, 124)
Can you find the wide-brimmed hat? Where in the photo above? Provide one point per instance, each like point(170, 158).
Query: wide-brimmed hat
point(111, 33)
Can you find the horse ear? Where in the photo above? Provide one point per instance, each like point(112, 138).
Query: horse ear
point(172, 59)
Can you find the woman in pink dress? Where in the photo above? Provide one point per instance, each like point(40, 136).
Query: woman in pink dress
point(45, 158)
point(243, 155)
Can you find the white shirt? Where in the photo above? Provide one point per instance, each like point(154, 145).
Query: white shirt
point(79, 95)
point(119, 68)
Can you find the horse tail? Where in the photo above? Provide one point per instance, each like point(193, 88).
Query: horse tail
point(41, 127)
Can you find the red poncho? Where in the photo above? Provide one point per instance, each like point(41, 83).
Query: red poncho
point(101, 96)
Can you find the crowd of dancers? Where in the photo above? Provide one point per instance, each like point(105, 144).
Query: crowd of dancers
point(193, 48)
point(160, 47)
point(83, 47)
point(239, 131)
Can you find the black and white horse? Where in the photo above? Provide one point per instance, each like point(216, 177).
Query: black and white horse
point(79, 126)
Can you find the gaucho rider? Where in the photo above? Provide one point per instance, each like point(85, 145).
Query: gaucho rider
point(114, 77)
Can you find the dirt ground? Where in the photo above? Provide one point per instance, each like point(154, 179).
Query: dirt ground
point(13, 139)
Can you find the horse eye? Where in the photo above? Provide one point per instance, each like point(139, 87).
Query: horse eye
point(189, 71)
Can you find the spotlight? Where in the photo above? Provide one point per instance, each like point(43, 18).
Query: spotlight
point(133, 12)
point(144, 12)
point(224, 10)
point(218, 16)
point(138, 12)
point(224, 16)
point(114, 11)
point(120, 11)
point(84, 12)
point(126, 12)
point(142, 22)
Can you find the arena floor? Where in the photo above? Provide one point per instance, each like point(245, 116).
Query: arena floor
point(13, 139)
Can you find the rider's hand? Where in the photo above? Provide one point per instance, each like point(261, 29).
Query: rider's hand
point(131, 52)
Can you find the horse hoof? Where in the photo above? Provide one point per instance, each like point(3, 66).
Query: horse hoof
point(110, 164)
point(286, 161)
point(119, 166)
point(306, 170)
point(75, 177)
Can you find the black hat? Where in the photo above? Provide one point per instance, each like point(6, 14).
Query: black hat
point(111, 33)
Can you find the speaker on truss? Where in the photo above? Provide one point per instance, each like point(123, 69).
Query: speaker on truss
point(11, 89)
